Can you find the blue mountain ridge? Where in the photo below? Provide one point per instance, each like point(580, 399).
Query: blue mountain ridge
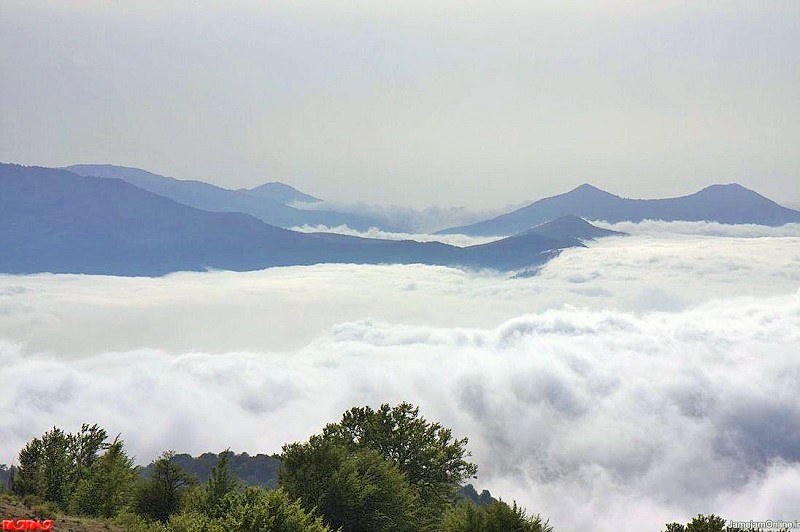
point(52, 220)
point(727, 204)
point(269, 203)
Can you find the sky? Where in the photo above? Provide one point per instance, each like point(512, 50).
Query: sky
point(411, 103)
point(638, 381)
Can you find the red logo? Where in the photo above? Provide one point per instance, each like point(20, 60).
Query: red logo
point(27, 524)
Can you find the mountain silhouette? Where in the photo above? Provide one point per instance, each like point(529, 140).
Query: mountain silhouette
point(265, 203)
point(728, 204)
point(282, 193)
point(52, 220)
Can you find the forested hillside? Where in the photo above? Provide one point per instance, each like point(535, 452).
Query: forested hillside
point(375, 470)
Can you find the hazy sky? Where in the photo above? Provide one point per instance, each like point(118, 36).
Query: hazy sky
point(413, 102)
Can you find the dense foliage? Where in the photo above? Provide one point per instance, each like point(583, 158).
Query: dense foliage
point(431, 462)
point(384, 470)
point(160, 496)
point(56, 465)
point(253, 470)
point(108, 485)
point(494, 517)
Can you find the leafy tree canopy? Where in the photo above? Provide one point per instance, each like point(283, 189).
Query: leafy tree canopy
point(51, 467)
point(427, 453)
point(495, 517)
point(160, 496)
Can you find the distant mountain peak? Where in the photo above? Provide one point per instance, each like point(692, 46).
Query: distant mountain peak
point(60, 222)
point(729, 190)
point(568, 219)
point(728, 186)
point(722, 203)
point(571, 226)
point(587, 189)
point(282, 192)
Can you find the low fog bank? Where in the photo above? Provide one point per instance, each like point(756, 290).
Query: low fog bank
point(604, 420)
point(411, 220)
point(286, 308)
point(652, 228)
point(666, 229)
point(373, 232)
point(640, 380)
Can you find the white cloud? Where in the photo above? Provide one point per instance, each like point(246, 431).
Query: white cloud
point(373, 232)
point(585, 415)
point(429, 219)
point(286, 308)
point(641, 380)
point(669, 229)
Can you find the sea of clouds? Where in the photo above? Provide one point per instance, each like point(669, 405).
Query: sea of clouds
point(374, 232)
point(640, 380)
point(419, 221)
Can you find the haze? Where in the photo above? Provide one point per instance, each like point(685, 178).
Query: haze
point(411, 103)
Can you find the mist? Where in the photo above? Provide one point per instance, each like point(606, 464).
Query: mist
point(640, 380)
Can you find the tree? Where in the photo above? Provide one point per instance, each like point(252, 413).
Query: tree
point(84, 448)
point(108, 486)
point(431, 462)
point(160, 495)
point(50, 467)
point(367, 493)
point(252, 509)
point(495, 517)
point(426, 453)
point(207, 499)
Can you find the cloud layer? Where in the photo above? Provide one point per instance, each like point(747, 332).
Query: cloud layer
point(373, 232)
point(286, 308)
point(668, 229)
point(589, 416)
point(640, 380)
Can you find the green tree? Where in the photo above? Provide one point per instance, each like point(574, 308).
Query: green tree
point(109, 485)
point(495, 517)
point(252, 509)
point(84, 448)
point(27, 481)
point(160, 496)
point(220, 482)
point(431, 461)
point(367, 493)
point(427, 453)
point(50, 467)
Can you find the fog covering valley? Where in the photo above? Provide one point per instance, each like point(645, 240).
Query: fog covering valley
point(639, 380)
point(342, 236)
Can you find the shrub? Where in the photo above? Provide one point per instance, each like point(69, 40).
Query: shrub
point(495, 517)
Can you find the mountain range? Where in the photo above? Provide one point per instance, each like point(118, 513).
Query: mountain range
point(102, 219)
point(727, 204)
point(53, 220)
point(271, 203)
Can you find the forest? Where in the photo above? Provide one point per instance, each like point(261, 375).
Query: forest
point(385, 469)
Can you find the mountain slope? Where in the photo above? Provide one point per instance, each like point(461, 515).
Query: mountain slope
point(52, 220)
point(572, 227)
point(281, 192)
point(729, 204)
point(217, 199)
